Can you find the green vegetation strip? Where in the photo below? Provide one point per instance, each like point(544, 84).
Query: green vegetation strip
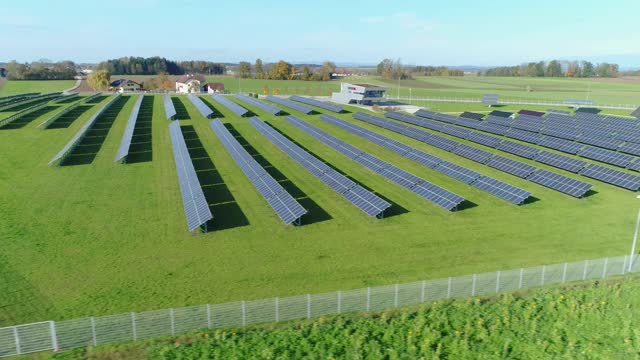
point(21, 102)
point(89, 98)
point(22, 113)
point(45, 124)
point(588, 320)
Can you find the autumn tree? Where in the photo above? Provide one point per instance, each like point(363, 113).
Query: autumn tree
point(306, 73)
point(99, 80)
point(281, 70)
point(259, 69)
point(244, 70)
point(327, 69)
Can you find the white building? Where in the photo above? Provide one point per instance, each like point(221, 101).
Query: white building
point(363, 94)
point(124, 85)
point(190, 84)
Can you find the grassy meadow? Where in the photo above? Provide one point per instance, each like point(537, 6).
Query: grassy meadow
point(107, 238)
point(14, 87)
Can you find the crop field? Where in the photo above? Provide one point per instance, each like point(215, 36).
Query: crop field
point(27, 86)
point(103, 237)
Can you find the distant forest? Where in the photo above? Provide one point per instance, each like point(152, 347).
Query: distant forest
point(41, 70)
point(557, 68)
point(157, 65)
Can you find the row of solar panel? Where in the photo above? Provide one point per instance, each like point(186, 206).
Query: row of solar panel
point(285, 206)
point(360, 197)
point(233, 107)
point(125, 143)
point(273, 110)
point(618, 178)
point(290, 104)
point(422, 187)
point(317, 103)
point(495, 187)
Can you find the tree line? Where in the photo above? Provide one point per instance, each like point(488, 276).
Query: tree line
point(159, 65)
point(41, 70)
point(283, 70)
point(556, 68)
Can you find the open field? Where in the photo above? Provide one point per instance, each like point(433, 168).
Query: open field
point(13, 87)
point(109, 238)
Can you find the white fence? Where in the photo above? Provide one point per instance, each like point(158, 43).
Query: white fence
point(92, 331)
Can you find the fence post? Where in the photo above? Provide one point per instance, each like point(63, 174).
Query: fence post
point(54, 337)
point(604, 267)
point(93, 331)
point(339, 301)
point(564, 272)
point(424, 285)
point(244, 314)
point(17, 339)
point(368, 298)
point(208, 316)
point(584, 273)
point(173, 322)
point(449, 288)
point(497, 281)
point(308, 306)
point(277, 310)
point(624, 265)
point(544, 268)
point(395, 296)
point(473, 285)
point(520, 279)
point(133, 326)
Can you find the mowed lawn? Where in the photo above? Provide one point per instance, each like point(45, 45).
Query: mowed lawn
point(108, 238)
point(13, 87)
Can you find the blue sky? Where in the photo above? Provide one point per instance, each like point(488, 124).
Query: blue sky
point(458, 32)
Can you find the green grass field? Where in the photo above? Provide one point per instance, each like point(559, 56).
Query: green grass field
point(13, 87)
point(109, 238)
point(589, 321)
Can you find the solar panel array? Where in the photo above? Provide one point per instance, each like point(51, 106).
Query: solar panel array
point(507, 165)
point(607, 156)
point(588, 110)
point(471, 115)
point(290, 104)
point(561, 161)
point(235, 108)
point(427, 190)
point(125, 143)
point(169, 109)
point(285, 206)
point(612, 176)
point(196, 208)
point(201, 106)
point(490, 99)
point(504, 114)
point(360, 197)
point(636, 113)
point(273, 110)
point(317, 103)
point(559, 182)
point(82, 132)
point(531, 113)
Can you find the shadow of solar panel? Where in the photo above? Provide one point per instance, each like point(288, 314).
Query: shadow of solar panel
point(484, 139)
point(290, 104)
point(504, 114)
point(510, 166)
point(195, 205)
point(230, 105)
point(472, 153)
point(561, 162)
point(273, 110)
point(566, 146)
point(612, 176)
point(523, 135)
point(502, 190)
point(169, 109)
point(560, 183)
point(606, 156)
point(522, 150)
point(587, 110)
point(457, 172)
point(317, 103)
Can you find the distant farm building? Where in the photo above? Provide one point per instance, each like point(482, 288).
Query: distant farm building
point(190, 84)
point(341, 73)
point(215, 88)
point(124, 85)
point(363, 94)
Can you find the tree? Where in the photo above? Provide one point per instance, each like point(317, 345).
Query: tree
point(281, 71)
point(327, 69)
point(244, 70)
point(99, 80)
point(554, 69)
point(385, 69)
point(306, 73)
point(259, 69)
point(587, 69)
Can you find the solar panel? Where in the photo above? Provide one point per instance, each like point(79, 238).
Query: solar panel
point(433, 193)
point(606, 143)
point(457, 172)
point(503, 190)
point(273, 110)
point(560, 183)
point(472, 153)
point(567, 146)
point(504, 114)
point(484, 139)
point(490, 99)
point(285, 206)
point(522, 150)
point(82, 132)
point(455, 131)
point(201, 106)
point(196, 208)
point(492, 128)
point(612, 176)
point(561, 132)
point(504, 121)
point(636, 113)
point(533, 126)
point(630, 148)
point(606, 156)
point(561, 161)
point(531, 113)
point(510, 166)
point(317, 103)
point(523, 135)
point(471, 115)
point(588, 110)
point(561, 112)
point(290, 104)
point(635, 166)
point(125, 143)
point(169, 109)
point(235, 108)
point(363, 199)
